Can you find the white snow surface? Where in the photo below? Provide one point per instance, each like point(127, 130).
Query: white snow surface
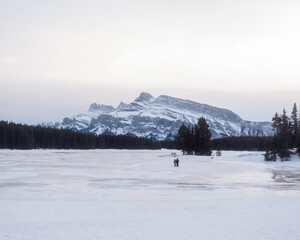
point(122, 194)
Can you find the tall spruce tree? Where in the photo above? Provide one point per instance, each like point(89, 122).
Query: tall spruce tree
point(298, 140)
point(298, 137)
point(183, 140)
point(276, 122)
point(202, 138)
point(294, 126)
point(284, 137)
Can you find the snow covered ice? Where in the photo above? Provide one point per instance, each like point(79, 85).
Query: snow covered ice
point(122, 194)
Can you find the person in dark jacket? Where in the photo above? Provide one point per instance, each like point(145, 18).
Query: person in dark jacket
point(175, 162)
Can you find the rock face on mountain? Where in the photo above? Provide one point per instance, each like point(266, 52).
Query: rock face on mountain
point(160, 118)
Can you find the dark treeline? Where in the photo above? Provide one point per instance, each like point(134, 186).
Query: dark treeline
point(243, 143)
point(166, 144)
point(286, 137)
point(19, 136)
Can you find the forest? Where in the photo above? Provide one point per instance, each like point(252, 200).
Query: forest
point(19, 136)
point(242, 143)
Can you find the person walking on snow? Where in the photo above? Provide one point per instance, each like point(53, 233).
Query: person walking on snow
point(175, 162)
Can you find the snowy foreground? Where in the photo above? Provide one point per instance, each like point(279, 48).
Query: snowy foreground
point(120, 194)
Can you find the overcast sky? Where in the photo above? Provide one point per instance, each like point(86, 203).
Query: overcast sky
point(57, 57)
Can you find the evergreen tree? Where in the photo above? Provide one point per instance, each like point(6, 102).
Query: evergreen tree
point(276, 122)
point(183, 139)
point(179, 138)
point(191, 140)
point(298, 138)
point(202, 138)
point(294, 128)
point(284, 137)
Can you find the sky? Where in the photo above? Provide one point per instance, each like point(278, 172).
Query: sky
point(58, 57)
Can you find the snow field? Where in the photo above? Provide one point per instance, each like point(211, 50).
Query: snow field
point(122, 194)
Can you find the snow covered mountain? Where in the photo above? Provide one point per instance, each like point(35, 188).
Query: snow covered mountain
point(160, 118)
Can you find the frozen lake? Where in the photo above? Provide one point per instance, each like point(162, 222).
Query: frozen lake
point(122, 194)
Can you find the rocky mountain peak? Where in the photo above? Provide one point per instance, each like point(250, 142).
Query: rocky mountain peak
point(144, 97)
point(94, 107)
point(123, 105)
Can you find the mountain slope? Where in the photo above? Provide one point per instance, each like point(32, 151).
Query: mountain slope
point(160, 118)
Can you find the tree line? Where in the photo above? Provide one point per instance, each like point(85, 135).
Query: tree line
point(242, 143)
point(286, 137)
point(19, 136)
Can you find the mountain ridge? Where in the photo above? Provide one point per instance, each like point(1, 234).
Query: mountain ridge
point(160, 118)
